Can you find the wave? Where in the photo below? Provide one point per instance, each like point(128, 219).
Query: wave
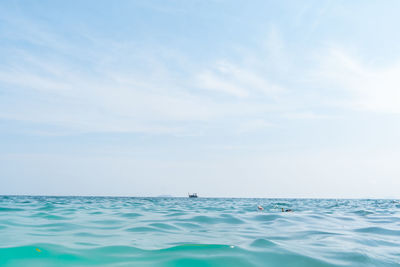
point(47, 254)
point(181, 255)
point(79, 231)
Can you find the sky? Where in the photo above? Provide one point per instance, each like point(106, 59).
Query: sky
point(223, 98)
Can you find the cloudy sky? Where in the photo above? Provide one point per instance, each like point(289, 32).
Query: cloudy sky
point(222, 98)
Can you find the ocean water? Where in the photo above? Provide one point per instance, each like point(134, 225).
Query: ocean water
point(113, 231)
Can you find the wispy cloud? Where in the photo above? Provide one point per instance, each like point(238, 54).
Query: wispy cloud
point(305, 115)
point(92, 84)
point(237, 81)
point(122, 87)
point(274, 95)
point(363, 85)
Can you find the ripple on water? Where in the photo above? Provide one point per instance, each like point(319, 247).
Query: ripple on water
point(378, 230)
point(102, 232)
point(47, 207)
point(262, 243)
point(91, 235)
point(164, 226)
point(188, 225)
point(58, 227)
point(143, 229)
point(266, 218)
point(4, 209)
point(344, 218)
point(363, 212)
point(203, 219)
point(227, 218)
point(96, 213)
point(176, 214)
point(48, 216)
point(131, 215)
point(107, 222)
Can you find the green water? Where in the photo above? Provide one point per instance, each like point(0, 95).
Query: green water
point(107, 231)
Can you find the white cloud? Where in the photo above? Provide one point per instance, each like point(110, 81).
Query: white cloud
point(52, 91)
point(120, 87)
point(364, 85)
point(239, 81)
point(305, 115)
point(209, 80)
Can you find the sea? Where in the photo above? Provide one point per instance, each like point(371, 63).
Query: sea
point(130, 231)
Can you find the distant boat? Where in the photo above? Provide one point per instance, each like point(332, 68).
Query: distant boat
point(194, 195)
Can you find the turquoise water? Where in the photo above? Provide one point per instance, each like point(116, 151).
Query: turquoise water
point(108, 231)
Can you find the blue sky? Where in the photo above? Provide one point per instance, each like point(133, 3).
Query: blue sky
point(225, 98)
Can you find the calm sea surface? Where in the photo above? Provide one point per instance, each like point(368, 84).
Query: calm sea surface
point(108, 231)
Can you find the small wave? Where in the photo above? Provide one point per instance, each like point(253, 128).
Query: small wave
point(142, 229)
point(281, 204)
point(58, 227)
point(90, 235)
point(131, 215)
point(188, 225)
point(107, 222)
point(266, 218)
point(227, 218)
point(175, 214)
point(363, 212)
point(378, 230)
point(204, 219)
point(343, 218)
point(262, 243)
point(138, 232)
point(180, 255)
point(196, 246)
point(164, 226)
point(47, 207)
point(48, 216)
point(96, 213)
point(3, 209)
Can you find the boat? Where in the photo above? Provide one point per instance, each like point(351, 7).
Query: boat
point(194, 195)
